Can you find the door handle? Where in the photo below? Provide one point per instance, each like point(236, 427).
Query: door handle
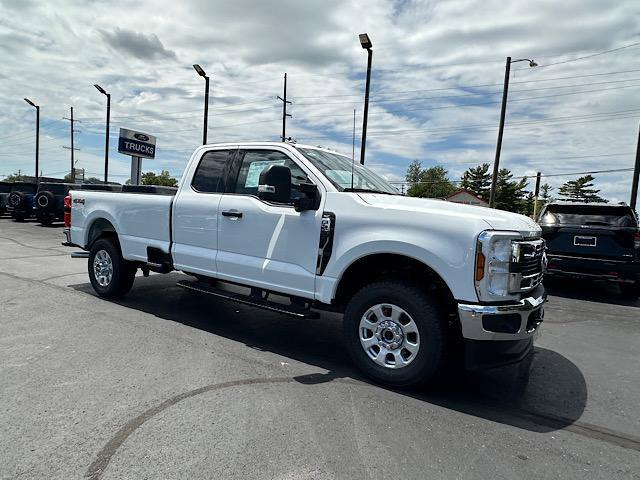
point(232, 214)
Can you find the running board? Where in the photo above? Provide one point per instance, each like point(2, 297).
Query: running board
point(247, 300)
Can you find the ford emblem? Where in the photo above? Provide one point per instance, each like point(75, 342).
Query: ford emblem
point(141, 136)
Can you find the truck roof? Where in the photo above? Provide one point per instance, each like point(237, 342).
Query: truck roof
point(271, 144)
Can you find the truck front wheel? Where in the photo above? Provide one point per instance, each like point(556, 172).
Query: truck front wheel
point(110, 274)
point(395, 333)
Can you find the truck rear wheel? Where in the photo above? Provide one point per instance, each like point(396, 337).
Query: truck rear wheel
point(395, 333)
point(111, 275)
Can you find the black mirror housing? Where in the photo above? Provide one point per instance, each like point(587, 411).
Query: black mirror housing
point(275, 184)
point(311, 200)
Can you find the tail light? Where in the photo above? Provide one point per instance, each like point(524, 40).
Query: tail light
point(67, 211)
point(636, 240)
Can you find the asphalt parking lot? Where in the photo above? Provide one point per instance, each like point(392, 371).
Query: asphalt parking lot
point(169, 384)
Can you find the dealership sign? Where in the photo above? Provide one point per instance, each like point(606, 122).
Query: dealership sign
point(136, 144)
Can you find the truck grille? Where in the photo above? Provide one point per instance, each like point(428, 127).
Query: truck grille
point(527, 265)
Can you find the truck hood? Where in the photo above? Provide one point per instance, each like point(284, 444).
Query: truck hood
point(495, 219)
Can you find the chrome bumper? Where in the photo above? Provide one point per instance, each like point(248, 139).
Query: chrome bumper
point(529, 313)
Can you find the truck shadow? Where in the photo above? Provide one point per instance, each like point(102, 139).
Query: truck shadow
point(591, 290)
point(544, 394)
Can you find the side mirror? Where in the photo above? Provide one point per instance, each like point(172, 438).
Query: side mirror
point(275, 184)
point(311, 199)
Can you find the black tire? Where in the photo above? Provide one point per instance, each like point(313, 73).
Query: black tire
point(123, 272)
point(45, 201)
point(630, 290)
point(18, 217)
point(45, 220)
point(425, 312)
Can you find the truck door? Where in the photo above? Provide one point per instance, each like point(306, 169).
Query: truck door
point(263, 244)
point(195, 212)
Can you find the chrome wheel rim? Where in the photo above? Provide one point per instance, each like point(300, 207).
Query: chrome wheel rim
point(103, 268)
point(389, 336)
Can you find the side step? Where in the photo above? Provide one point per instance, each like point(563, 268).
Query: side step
point(248, 300)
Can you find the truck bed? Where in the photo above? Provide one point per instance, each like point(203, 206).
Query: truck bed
point(142, 220)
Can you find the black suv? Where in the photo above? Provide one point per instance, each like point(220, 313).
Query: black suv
point(5, 190)
point(20, 200)
point(48, 204)
point(593, 240)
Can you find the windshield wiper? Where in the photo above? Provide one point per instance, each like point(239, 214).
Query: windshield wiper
point(367, 190)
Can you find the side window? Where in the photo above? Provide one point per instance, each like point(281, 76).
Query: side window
point(211, 172)
point(255, 161)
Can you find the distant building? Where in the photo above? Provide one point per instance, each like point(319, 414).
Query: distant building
point(468, 198)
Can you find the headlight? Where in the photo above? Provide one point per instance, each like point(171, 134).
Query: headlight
point(494, 252)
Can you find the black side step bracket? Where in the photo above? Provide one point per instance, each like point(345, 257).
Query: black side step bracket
point(252, 300)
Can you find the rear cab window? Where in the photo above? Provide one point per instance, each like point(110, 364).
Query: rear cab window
point(212, 173)
point(589, 215)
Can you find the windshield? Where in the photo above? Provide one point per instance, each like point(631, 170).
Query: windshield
point(610, 216)
point(337, 168)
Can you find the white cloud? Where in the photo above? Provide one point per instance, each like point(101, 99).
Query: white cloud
point(426, 56)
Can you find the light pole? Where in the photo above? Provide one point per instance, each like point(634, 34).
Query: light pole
point(503, 111)
point(37, 107)
point(365, 42)
point(106, 140)
point(202, 73)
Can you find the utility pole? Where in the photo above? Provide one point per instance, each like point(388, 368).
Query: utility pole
point(284, 109)
point(503, 111)
point(636, 175)
point(535, 197)
point(37, 107)
point(72, 148)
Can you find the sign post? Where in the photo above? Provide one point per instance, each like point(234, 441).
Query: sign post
point(139, 145)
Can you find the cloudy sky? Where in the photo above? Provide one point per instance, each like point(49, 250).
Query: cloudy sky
point(436, 86)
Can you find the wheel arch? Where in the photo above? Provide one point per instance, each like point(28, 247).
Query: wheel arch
point(379, 266)
point(99, 227)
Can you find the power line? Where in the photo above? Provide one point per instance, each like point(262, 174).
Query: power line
point(592, 55)
point(475, 104)
point(458, 87)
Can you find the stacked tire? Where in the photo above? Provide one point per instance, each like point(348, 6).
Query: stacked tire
point(16, 202)
point(45, 207)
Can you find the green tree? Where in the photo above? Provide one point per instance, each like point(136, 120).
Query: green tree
point(165, 179)
point(545, 192)
point(528, 202)
point(478, 180)
point(15, 177)
point(510, 193)
point(413, 172)
point(432, 182)
point(580, 190)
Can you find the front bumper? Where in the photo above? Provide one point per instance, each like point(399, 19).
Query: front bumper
point(513, 321)
point(497, 335)
point(595, 268)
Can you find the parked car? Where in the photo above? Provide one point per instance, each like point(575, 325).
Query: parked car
point(302, 228)
point(20, 200)
point(5, 190)
point(49, 201)
point(593, 240)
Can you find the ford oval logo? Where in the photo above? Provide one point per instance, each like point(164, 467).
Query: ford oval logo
point(141, 136)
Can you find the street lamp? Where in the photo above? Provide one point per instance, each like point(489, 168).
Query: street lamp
point(503, 111)
point(202, 73)
point(106, 141)
point(37, 107)
point(365, 42)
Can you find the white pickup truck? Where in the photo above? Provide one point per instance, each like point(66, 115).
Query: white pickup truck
point(420, 282)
